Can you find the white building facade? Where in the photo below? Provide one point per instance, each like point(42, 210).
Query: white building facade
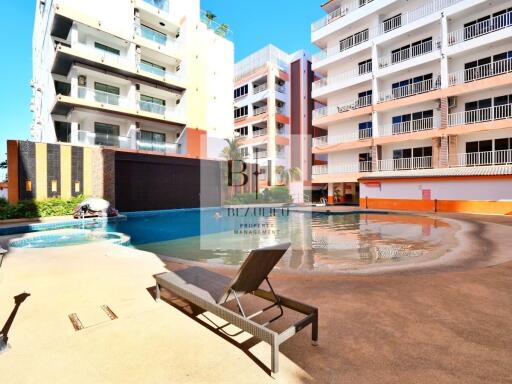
point(407, 88)
point(142, 75)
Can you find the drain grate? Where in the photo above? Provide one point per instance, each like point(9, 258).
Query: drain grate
point(78, 325)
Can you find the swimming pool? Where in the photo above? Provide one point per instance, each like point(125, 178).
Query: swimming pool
point(69, 237)
point(320, 241)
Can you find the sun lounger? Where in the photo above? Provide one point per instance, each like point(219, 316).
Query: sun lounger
point(210, 291)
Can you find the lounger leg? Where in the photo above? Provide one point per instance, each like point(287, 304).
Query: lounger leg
point(157, 292)
point(314, 330)
point(275, 357)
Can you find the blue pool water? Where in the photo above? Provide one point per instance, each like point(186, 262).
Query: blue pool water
point(319, 241)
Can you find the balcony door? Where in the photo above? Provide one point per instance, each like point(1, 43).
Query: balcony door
point(479, 152)
point(106, 134)
point(107, 94)
point(152, 141)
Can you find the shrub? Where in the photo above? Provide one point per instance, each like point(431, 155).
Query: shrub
point(44, 208)
point(268, 196)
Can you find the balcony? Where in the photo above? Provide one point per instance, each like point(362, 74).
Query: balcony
point(410, 53)
point(281, 89)
point(355, 167)
point(360, 102)
point(501, 157)
point(405, 163)
point(410, 90)
point(481, 72)
point(260, 110)
point(259, 89)
point(100, 96)
point(338, 13)
point(498, 112)
point(157, 71)
point(362, 134)
point(320, 141)
point(159, 38)
point(104, 56)
point(412, 126)
point(259, 132)
point(150, 107)
point(342, 77)
point(480, 29)
point(259, 155)
point(396, 22)
point(91, 138)
point(164, 148)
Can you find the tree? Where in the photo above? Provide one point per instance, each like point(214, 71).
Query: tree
point(232, 153)
point(222, 30)
point(289, 175)
point(210, 16)
point(3, 164)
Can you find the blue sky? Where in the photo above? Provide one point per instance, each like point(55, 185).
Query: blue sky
point(284, 23)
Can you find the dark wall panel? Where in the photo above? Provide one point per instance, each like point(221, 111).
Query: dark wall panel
point(145, 182)
point(77, 170)
point(27, 169)
point(53, 171)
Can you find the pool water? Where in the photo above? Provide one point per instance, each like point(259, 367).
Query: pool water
point(68, 237)
point(320, 241)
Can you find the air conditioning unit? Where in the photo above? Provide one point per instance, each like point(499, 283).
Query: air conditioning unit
point(452, 102)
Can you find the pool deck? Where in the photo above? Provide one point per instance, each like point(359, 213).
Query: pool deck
point(446, 325)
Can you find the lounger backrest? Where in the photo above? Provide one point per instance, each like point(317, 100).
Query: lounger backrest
point(257, 267)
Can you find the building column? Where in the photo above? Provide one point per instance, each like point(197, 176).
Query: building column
point(436, 152)
point(74, 132)
point(375, 124)
point(330, 193)
point(444, 56)
point(73, 34)
point(452, 150)
point(375, 82)
point(376, 156)
point(132, 135)
point(73, 74)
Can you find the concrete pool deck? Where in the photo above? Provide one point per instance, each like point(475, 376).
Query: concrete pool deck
point(444, 325)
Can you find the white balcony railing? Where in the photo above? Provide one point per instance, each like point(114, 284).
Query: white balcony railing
point(405, 163)
point(500, 157)
point(360, 102)
point(92, 138)
point(482, 115)
point(410, 126)
point(100, 96)
point(342, 10)
point(479, 29)
point(259, 155)
point(320, 169)
point(481, 72)
point(398, 21)
point(260, 110)
point(337, 79)
point(259, 89)
point(409, 53)
point(152, 107)
point(355, 167)
point(259, 132)
point(319, 141)
point(410, 90)
point(167, 148)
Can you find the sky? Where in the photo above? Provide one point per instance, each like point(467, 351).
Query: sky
point(284, 23)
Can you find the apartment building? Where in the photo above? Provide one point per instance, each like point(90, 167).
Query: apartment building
point(272, 114)
point(145, 75)
point(416, 100)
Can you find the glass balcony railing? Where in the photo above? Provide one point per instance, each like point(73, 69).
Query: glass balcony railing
point(152, 69)
point(167, 148)
point(152, 107)
point(153, 35)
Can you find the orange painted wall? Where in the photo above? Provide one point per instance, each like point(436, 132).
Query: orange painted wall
point(196, 143)
point(446, 206)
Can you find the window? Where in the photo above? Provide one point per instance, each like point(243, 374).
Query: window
point(241, 91)
point(365, 66)
point(354, 40)
point(241, 132)
point(152, 34)
point(400, 54)
point(106, 94)
point(63, 131)
point(153, 100)
point(152, 67)
point(365, 98)
point(151, 141)
point(476, 111)
point(421, 46)
point(106, 88)
point(106, 134)
point(392, 23)
point(106, 48)
point(412, 158)
point(365, 162)
point(244, 151)
point(365, 130)
point(412, 122)
point(62, 88)
point(486, 24)
point(241, 112)
point(418, 84)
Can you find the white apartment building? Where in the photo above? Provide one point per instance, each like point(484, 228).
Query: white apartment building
point(146, 75)
point(417, 90)
point(272, 113)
